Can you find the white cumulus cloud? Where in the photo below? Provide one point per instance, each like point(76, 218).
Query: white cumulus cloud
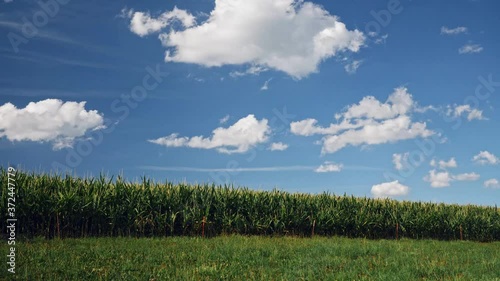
point(459, 110)
point(329, 167)
point(492, 183)
point(49, 120)
point(368, 122)
point(388, 131)
point(452, 163)
point(286, 35)
point(308, 127)
point(142, 23)
point(438, 179)
point(278, 146)
point(389, 189)
point(485, 157)
point(400, 161)
point(443, 179)
point(399, 102)
point(238, 138)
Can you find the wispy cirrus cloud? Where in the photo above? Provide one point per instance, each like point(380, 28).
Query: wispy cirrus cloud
point(470, 49)
point(252, 70)
point(265, 87)
point(252, 169)
point(224, 119)
point(239, 169)
point(41, 33)
point(352, 67)
point(453, 31)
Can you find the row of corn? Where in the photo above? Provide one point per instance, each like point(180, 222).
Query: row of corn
point(66, 206)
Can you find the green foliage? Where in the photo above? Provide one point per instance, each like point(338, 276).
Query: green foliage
point(57, 206)
point(253, 258)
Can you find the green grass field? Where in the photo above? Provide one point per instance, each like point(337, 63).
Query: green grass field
point(253, 258)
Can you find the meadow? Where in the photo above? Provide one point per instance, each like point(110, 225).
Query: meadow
point(238, 257)
point(70, 207)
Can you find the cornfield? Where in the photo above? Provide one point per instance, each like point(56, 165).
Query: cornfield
point(66, 206)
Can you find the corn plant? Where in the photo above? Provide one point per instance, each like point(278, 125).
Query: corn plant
point(53, 205)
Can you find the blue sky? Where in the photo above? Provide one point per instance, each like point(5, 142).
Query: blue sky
point(370, 98)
